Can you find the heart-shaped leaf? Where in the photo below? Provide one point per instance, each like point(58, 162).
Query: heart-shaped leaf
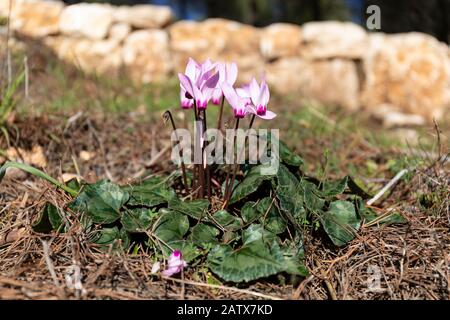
point(250, 262)
point(49, 219)
point(334, 188)
point(249, 212)
point(203, 234)
point(171, 226)
point(150, 193)
point(340, 222)
point(227, 221)
point(288, 157)
point(138, 220)
point(112, 236)
point(294, 257)
point(101, 201)
point(249, 184)
point(260, 256)
point(195, 209)
point(311, 200)
point(290, 193)
point(369, 215)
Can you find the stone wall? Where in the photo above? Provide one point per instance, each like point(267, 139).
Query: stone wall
point(330, 62)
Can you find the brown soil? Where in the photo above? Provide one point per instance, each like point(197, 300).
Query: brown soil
point(411, 261)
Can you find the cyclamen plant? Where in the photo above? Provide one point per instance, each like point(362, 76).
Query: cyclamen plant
point(214, 82)
point(240, 230)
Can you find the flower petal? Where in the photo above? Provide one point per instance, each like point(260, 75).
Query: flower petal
point(264, 94)
point(216, 96)
point(231, 71)
point(243, 92)
point(268, 116)
point(254, 91)
point(186, 84)
point(231, 96)
point(190, 87)
point(209, 86)
point(192, 69)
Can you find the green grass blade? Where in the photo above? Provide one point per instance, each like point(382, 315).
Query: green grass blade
point(37, 173)
point(7, 101)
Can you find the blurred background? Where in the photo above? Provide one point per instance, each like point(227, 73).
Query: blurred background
point(431, 16)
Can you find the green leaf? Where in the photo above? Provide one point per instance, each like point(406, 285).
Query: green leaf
point(356, 189)
point(230, 236)
point(151, 192)
point(256, 232)
point(203, 234)
point(369, 215)
point(138, 220)
point(227, 221)
point(171, 226)
point(249, 212)
point(393, 218)
point(288, 157)
point(260, 256)
point(270, 216)
point(312, 202)
point(49, 219)
point(107, 236)
point(340, 222)
point(195, 209)
point(334, 188)
point(249, 184)
point(250, 262)
point(285, 154)
point(290, 193)
point(101, 201)
point(294, 257)
point(274, 222)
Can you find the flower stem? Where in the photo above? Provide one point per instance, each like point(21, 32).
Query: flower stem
point(206, 167)
point(229, 166)
point(201, 175)
point(168, 116)
point(236, 165)
point(219, 120)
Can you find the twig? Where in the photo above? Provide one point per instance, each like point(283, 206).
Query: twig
point(215, 286)
point(49, 263)
point(389, 185)
point(301, 287)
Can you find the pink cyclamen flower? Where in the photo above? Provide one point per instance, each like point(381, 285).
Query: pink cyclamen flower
point(198, 82)
point(227, 73)
point(175, 264)
point(238, 103)
point(257, 98)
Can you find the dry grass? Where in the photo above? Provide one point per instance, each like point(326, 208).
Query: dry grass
point(411, 261)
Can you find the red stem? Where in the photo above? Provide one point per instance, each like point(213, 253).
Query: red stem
point(236, 166)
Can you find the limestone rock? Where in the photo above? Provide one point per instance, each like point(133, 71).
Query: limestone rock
point(144, 16)
point(91, 56)
point(119, 31)
point(409, 71)
point(146, 55)
point(86, 20)
point(33, 18)
point(280, 40)
point(332, 39)
point(220, 40)
point(334, 82)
